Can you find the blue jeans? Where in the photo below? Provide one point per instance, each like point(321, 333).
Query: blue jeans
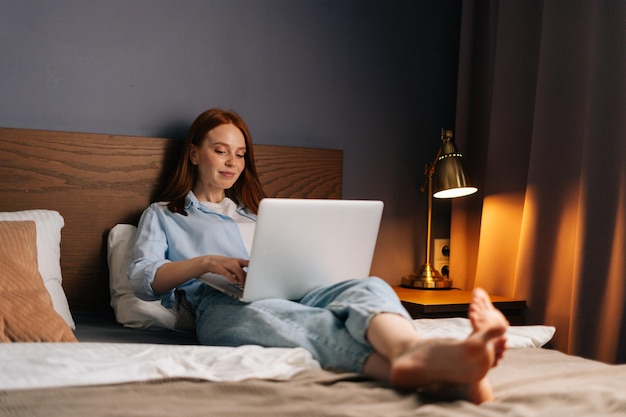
point(331, 322)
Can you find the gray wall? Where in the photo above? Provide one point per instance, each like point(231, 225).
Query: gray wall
point(376, 78)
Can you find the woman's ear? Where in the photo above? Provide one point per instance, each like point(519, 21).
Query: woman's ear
point(193, 155)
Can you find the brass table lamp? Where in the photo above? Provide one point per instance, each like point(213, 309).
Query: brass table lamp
point(445, 178)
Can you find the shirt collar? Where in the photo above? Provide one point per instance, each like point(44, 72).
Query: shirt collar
point(192, 201)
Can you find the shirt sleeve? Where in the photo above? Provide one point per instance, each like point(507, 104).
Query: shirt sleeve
point(149, 254)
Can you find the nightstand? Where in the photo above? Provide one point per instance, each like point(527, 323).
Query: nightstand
point(428, 304)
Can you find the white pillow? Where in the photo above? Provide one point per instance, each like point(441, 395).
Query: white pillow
point(130, 310)
point(48, 224)
point(460, 328)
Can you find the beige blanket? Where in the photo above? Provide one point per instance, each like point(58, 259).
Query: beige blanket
point(529, 382)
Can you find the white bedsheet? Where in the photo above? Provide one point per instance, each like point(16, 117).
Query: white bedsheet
point(44, 365)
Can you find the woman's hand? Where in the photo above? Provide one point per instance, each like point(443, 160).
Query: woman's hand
point(231, 268)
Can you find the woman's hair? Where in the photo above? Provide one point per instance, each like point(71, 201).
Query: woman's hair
point(247, 190)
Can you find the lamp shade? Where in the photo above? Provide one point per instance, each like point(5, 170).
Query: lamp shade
point(450, 179)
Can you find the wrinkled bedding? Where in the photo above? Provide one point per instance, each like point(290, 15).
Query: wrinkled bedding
point(45, 365)
point(109, 353)
point(529, 382)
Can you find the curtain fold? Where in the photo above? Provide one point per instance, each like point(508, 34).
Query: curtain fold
point(541, 118)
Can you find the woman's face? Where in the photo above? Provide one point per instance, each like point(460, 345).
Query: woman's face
point(220, 161)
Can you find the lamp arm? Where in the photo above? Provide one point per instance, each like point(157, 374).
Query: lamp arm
point(429, 171)
point(430, 219)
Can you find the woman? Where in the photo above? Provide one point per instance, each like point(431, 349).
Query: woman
point(206, 223)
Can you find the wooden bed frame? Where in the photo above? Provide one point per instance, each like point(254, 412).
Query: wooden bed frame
point(97, 181)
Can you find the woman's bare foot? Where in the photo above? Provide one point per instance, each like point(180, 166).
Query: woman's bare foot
point(485, 317)
point(454, 368)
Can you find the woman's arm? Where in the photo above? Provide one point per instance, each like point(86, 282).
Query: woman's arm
point(173, 274)
point(153, 273)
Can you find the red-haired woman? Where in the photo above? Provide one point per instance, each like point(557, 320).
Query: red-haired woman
point(206, 223)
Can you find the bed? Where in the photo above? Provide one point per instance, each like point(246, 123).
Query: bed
point(68, 205)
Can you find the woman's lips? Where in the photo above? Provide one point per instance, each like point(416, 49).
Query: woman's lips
point(228, 174)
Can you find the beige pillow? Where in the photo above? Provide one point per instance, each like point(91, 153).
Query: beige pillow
point(49, 224)
point(26, 310)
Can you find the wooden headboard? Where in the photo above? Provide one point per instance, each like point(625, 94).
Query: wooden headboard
point(97, 181)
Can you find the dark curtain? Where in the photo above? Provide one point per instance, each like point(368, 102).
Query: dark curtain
point(541, 120)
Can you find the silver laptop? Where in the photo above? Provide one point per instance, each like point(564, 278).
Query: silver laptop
point(303, 244)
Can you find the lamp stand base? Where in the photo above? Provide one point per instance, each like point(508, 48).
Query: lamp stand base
point(428, 278)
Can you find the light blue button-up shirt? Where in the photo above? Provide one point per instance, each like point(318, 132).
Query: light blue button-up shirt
point(163, 236)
